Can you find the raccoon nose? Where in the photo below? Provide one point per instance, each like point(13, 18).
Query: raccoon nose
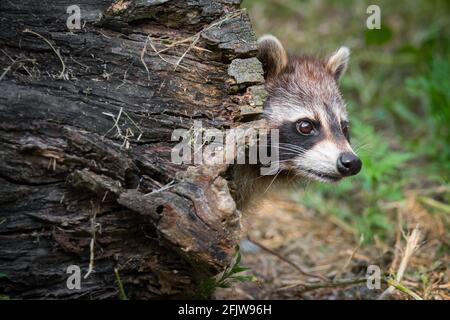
point(348, 164)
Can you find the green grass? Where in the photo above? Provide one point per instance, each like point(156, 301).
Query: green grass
point(398, 92)
point(122, 294)
point(232, 274)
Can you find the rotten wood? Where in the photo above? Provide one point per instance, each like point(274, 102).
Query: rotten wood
point(86, 118)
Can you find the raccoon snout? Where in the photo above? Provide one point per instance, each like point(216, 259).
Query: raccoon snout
point(348, 164)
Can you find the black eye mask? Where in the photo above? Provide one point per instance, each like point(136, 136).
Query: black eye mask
point(289, 135)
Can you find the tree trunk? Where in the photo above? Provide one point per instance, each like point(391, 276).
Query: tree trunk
point(86, 118)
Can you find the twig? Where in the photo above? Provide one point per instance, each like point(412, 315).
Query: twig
point(181, 43)
point(160, 56)
point(402, 288)
point(163, 188)
point(144, 49)
point(428, 191)
point(116, 123)
point(170, 46)
point(105, 195)
point(435, 204)
point(295, 266)
point(128, 132)
point(91, 246)
point(6, 71)
point(20, 60)
point(122, 293)
point(133, 122)
point(336, 284)
point(80, 64)
point(193, 39)
point(412, 244)
point(194, 42)
point(124, 77)
point(63, 71)
point(196, 37)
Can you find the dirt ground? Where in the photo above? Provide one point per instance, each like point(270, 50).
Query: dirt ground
point(283, 233)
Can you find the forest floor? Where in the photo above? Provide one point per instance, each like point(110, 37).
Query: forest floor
point(283, 232)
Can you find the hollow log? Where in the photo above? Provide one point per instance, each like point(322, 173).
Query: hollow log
point(86, 122)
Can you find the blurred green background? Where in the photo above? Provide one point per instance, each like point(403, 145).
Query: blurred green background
point(397, 88)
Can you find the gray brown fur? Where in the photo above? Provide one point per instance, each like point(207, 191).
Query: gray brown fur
point(299, 87)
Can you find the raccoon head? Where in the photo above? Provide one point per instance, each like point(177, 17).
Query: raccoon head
point(306, 106)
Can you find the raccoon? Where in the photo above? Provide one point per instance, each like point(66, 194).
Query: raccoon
point(305, 104)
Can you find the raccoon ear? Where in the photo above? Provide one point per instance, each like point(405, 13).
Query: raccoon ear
point(337, 62)
point(272, 55)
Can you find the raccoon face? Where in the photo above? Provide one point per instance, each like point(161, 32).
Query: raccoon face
point(305, 104)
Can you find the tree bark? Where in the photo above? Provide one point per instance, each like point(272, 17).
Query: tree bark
point(86, 118)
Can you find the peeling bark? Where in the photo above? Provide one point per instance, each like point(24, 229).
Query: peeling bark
point(86, 118)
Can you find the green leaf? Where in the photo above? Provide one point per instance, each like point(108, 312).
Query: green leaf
point(238, 269)
point(245, 278)
point(238, 255)
point(225, 284)
point(228, 277)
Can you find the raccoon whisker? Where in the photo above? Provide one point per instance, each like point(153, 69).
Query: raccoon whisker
point(276, 163)
point(284, 148)
point(278, 170)
point(367, 151)
point(295, 147)
point(316, 151)
point(272, 181)
point(362, 147)
point(280, 161)
point(364, 141)
point(365, 145)
point(265, 176)
point(290, 144)
point(283, 145)
point(291, 147)
point(307, 186)
point(304, 150)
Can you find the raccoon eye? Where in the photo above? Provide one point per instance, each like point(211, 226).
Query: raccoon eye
point(345, 128)
point(305, 127)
